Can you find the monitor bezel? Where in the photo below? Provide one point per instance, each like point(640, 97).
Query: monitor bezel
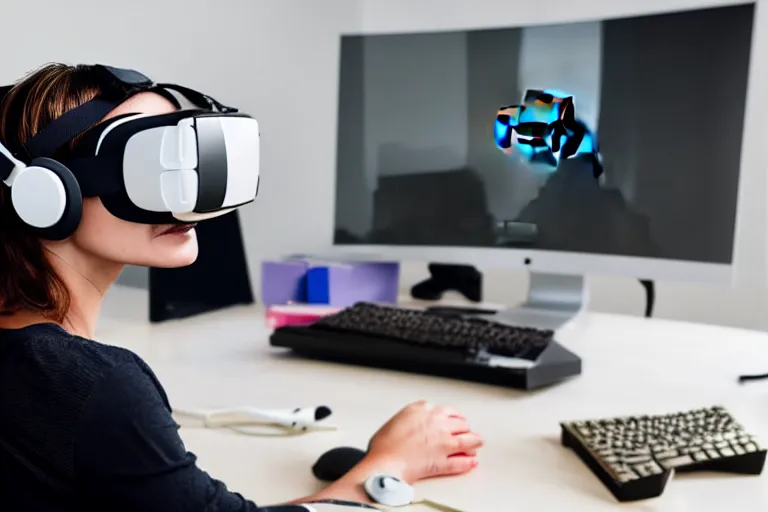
point(753, 154)
point(539, 261)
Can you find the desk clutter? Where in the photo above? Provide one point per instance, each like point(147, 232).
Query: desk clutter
point(346, 313)
point(299, 291)
point(328, 282)
point(282, 315)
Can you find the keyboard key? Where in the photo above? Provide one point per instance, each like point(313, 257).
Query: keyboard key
point(627, 477)
point(675, 462)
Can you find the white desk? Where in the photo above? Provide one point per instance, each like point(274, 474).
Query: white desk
point(630, 365)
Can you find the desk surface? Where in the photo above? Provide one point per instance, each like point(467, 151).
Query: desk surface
point(631, 365)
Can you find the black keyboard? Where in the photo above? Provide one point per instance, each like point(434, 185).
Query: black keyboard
point(636, 456)
point(456, 345)
point(457, 333)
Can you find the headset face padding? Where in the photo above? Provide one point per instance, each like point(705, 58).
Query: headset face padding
point(111, 150)
point(47, 199)
point(129, 165)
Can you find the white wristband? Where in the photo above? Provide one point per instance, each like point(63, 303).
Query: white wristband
point(388, 490)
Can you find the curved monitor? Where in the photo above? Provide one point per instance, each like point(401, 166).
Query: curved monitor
point(422, 174)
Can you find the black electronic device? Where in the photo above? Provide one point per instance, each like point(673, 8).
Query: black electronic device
point(336, 463)
point(635, 456)
point(465, 279)
point(217, 279)
point(461, 310)
point(463, 347)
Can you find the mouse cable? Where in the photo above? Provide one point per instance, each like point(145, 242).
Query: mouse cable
point(746, 378)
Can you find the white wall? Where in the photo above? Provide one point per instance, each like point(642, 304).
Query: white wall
point(742, 304)
point(276, 59)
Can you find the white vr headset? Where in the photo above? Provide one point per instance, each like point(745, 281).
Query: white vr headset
point(182, 167)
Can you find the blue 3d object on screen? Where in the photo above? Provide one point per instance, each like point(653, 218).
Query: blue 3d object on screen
point(544, 129)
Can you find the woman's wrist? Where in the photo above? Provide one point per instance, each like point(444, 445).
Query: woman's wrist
point(350, 486)
point(381, 463)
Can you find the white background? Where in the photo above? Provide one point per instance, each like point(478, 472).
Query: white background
point(279, 60)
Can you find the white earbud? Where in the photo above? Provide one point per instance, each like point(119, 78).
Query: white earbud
point(388, 490)
point(298, 419)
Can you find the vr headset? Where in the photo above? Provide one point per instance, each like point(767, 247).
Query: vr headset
point(183, 167)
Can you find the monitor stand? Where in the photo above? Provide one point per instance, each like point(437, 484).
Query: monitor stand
point(553, 301)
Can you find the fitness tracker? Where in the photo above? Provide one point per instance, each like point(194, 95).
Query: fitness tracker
point(388, 490)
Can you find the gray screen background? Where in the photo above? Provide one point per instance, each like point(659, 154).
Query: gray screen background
point(665, 94)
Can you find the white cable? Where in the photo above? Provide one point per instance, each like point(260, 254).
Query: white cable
point(291, 421)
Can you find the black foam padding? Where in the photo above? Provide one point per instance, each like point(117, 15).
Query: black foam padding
point(6, 167)
point(127, 76)
point(336, 463)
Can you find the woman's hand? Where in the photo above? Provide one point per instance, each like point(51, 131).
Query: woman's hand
point(423, 441)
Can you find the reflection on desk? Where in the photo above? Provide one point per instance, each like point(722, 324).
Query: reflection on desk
point(631, 366)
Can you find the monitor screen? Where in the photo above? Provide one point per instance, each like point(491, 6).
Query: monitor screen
point(654, 121)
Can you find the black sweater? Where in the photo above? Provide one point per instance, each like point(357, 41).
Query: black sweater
point(87, 427)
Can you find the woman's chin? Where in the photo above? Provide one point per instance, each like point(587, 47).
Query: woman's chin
point(178, 253)
point(182, 261)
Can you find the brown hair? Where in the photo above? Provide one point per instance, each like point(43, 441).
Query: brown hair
point(28, 281)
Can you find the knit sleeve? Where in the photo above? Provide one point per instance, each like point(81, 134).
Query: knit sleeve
point(129, 456)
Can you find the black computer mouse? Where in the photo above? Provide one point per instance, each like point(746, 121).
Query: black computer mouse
point(335, 463)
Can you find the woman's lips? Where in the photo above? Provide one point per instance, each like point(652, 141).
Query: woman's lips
point(178, 229)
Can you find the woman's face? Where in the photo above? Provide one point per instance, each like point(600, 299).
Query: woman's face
point(105, 237)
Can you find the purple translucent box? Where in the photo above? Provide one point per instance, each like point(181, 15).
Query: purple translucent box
point(337, 284)
point(283, 282)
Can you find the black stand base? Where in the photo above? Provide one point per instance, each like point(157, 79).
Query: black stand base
point(554, 365)
point(218, 279)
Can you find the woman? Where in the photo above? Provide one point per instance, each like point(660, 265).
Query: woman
point(87, 426)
